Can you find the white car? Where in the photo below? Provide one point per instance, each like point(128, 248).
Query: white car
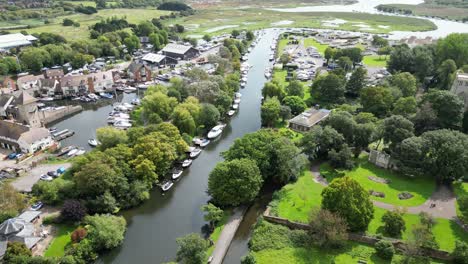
point(45, 177)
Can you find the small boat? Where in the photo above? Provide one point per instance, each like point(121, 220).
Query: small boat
point(93, 96)
point(244, 79)
point(143, 86)
point(80, 152)
point(267, 75)
point(216, 131)
point(72, 152)
point(237, 101)
point(204, 142)
point(193, 154)
point(231, 112)
point(106, 95)
point(52, 129)
point(136, 101)
point(238, 95)
point(47, 99)
point(120, 108)
point(62, 132)
point(65, 150)
point(93, 142)
point(176, 174)
point(235, 106)
point(166, 186)
point(187, 163)
point(122, 124)
point(130, 89)
point(242, 84)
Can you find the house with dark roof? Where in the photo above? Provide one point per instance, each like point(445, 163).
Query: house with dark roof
point(53, 73)
point(158, 60)
point(308, 119)
point(139, 72)
point(19, 229)
point(21, 107)
point(25, 139)
point(182, 52)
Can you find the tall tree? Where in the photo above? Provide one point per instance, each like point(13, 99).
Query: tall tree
point(329, 89)
point(446, 74)
point(270, 111)
point(192, 249)
point(447, 107)
point(396, 129)
point(296, 104)
point(356, 82)
point(105, 231)
point(401, 59)
point(377, 100)
point(405, 82)
point(319, 141)
point(110, 137)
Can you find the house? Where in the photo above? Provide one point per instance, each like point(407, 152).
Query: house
point(16, 40)
point(30, 83)
point(25, 139)
point(305, 121)
point(73, 85)
point(7, 85)
point(53, 73)
point(21, 107)
point(139, 72)
point(51, 88)
point(101, 82)
point(182, 52)
point(19, 229)
point(157, 60)
point(460, 87)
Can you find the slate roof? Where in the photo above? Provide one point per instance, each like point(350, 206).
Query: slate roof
point(310, 117)
point(29, 215)
point(23, 98)
point(176, 48)
point(153, 57)
point(11, 226)
point(12, 130)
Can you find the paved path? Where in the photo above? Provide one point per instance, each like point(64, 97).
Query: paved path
point(443, 199)
point(26, 182)
point(226, 236)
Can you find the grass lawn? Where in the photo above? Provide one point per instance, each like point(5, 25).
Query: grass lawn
point(217, 232)
point(60, 242)
point(311, 42)
point(420, 188)
point(282, 43)
point(461, 189)
point(375, 61)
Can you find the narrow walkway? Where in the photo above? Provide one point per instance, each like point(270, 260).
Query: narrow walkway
point(226, 236)
point(443, 199)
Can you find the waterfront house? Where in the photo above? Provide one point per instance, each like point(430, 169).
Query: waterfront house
point(139, 72)
point(308, 119)
point(101, 81)
point(21, 107)
point(30, 83)
point(73, 85)
point(53, 73)
point(25, 139)
point(460, 87)
point(51, 88)
point(182, 52)
point(158, 60)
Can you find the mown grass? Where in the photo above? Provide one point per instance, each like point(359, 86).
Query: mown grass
point(311, 42)
point(420, 188)
point(375, 61)
point(61, 241)
point(461, 190)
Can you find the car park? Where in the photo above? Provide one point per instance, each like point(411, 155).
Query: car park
point(53, 174)
point(45, 177)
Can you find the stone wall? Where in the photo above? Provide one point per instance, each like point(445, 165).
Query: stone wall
point(48, 117)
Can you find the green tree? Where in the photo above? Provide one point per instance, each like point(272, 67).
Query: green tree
point(460, 253)
point(319, 141)
point(248, 259)
point(405, 106)
point(154, 39)
point(329, 53)
point(249, 35)
point(329, 89)
point(158, 103)
point(101, 4)
point(344, 196)
point(285, 113)
point(285, 58)
point(405, 82)
point(295, 88)
point(132, 43)
point(345, 63)
point(465, 122)
point(209, 116)
point(377, 100)
point(396, 129)
point(447, 107)
point(424, 59)
point(235, 182)
point(105, 231)
point(401, 59)
point(356, 82)
point(453, 47)
point(342, 158)
point(273, 89)
point(327, 229)
point(213, 214)
point(296, 104)
point(192, 249)
point(384, 249)
point(110, 137)
point(207, 38)
point(270, 111)
point(16, 249)
point(394, 224)
point(11, 201)
point(344, 123)
point(363, 136)
point(184, 121)
point(446, 74)
point(286, 160)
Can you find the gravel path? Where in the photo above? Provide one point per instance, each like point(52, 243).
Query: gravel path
point(441, 204)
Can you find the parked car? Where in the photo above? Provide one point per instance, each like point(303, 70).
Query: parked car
point(12, 155)
point(61, 170)
point(53, 174)
point(37, 206)
point(45, 177)
point(19, 156)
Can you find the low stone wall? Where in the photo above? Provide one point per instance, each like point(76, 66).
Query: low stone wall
point(48, 117)
point(361, 238)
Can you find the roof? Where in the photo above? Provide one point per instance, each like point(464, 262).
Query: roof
point(23, 98)
point(29, 216)
point(3, 247)
point(27, 79)
point(73, 80)
point(153, 57)
point(15, 40)
point(12, 130)
point(462, 76)
point(176, 48)
point(102, 76)
point(310, 117)
point(11, 226)
point(34, 134)
point(54, 73)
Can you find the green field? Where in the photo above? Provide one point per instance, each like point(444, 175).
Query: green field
point(85, 3)
point(311, 42)
point(461, 189)
point(434, 10)
point(420, 188)
point(375, 61)
point(60, 242)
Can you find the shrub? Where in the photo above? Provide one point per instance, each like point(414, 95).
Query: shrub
point(328, 229)
point(15, 249)
point(460, 253)
point(79, 234)
point(73, 210)
point(248, 259)
point(394, 224)
point(105, 231)
point(51, 219)
point(384, 249)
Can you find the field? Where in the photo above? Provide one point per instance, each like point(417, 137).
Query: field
point(311, 42)
point(75, 33)
point(461, 190)
point(60, 242)
point(434, 10)
point(375, 61)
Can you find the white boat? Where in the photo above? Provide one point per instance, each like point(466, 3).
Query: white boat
point(204, 142)
point(194, 153)
point(176, 174)
point(166, 186)
point(143, 86)
point(215, 131)
point(267, 75)
point(244, 79)
point(115, 119)
point(72, 152)
point(235, 106)
point(120, 108)
point(106, 95)
point(117, 114)
point(122, 124)
point(136, 101)
point(93, 142)
point(93, 96)
point(238, 95)
point(130, 89)
point(187, 163)
point(243, 84)
point(47, 99)
point(237, 101)
point(231, 112)
point(80, 152)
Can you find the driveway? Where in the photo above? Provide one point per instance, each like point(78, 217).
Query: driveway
point(26, 182)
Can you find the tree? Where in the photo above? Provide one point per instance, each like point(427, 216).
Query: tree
point(296, 104)
point(34, 59)
point(454, 47)
point(132, 43)
point(285, 58)
point(384, 249)
point(213, 214)
point(235, 182)
point(78, 234)
point(345, 63)
point(396, 129)
point(16, 249)
point(356, 82)
point(344, 123)
point(248, 259)
point(249, 35)
point(405, 82)
point(270, 111)
point(72, 210)
point(378, 41)
point(82, 252)
point(329, 89)
point(101, 4)
point(446, 74)
point(158, 103)
point(319, 141)
point(363, 136)
point(295, 88)
point(110, 137)
point(329, 53)
point(105, 231)
point(424, 59)
point(206, 37)
point(405, 106)
point(79, 60)
point(184, 121)
point(394, 224)
point(460, 253)
point(209, 116)
point(341, 158)
point(327, 229)
point(154, 39)
point(401, 59)
point(11, 201)
point(272, 89)
point(448, 108)
point(192, 249)
point(235, 33)
point(53, 192)
point(285, 113)
point(286, 160)
point(377, 100)
point(346, 197)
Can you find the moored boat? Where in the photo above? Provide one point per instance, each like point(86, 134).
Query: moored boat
point(166, 186)
point(187, 163)
point(216, 131)
point(93, 142)
point(72, 152)
point(176, 174)
point(235, 106)
point(231, 112)
point(65, 150)
point(193, 154)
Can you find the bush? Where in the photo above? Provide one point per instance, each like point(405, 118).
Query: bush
point(394, 224)
point(67, 22)
point(248, 259)
point(51, 219)
point(328, 229)
point(73, 210)
point(460, 253)
point(384, 249)
point(79, 234)
point(271, 236)
point(105, 231)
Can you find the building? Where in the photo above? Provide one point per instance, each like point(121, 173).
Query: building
point(101, 82)
point(305, 121)
point(7, 85)
point(53, 73)
point(157, 60)
point(74, 85)
point(51, 88)
point(30, 83)
point(21, 107)
point(460, 87)
point(16, 40)
point(182, 52)
point(139, 72)
point(25, 139)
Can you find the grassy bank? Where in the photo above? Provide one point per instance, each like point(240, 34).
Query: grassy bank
point(375, 61)
point(60, 242)
point(434, 10)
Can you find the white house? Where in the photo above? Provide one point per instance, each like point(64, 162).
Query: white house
point(25, 139)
